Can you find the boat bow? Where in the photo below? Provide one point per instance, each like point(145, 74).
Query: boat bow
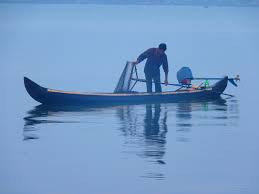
point(37, 92)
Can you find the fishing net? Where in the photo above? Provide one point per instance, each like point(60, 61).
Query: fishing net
point(123, 85)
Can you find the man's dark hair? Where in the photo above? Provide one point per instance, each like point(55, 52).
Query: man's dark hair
point(162, 46)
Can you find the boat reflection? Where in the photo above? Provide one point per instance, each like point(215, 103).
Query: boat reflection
point(183, 117)
point(145, 133)
point(144, 128)
point(151, 117)
point(44, 115)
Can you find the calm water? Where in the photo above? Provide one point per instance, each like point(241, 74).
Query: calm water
point(205, 148)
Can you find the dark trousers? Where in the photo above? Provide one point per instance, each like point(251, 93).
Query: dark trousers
point(156, 78)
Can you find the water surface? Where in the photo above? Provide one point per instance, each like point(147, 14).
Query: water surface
point(203, 147)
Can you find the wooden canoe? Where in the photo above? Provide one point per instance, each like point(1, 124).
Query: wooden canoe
point(59, 97)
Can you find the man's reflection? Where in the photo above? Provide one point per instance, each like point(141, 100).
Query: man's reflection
point(155, 131)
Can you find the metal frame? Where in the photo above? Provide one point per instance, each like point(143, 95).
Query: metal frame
point(137, 79)
point(136, 74)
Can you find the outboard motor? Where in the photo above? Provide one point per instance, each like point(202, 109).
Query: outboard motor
point(184, 76)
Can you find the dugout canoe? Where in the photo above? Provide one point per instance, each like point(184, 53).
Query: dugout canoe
point(58, 97)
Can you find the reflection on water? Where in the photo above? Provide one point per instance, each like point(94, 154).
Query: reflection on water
point(144, 128)
point(149, 133)
point(155, 132)
point(148, 126)
point(149, 129)
point(43, 115)
point(183, 119)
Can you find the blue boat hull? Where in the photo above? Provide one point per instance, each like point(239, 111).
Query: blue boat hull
point(58, 97)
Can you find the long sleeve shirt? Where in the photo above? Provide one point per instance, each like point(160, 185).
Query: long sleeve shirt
point(154, 61)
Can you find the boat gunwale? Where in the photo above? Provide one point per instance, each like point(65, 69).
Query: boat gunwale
point(130, 94)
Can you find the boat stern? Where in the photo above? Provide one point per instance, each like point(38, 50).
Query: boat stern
point(220, 86)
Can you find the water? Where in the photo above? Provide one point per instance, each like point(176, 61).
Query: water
point(207, 147)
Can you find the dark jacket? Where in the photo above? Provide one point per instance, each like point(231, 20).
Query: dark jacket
point(154, 61)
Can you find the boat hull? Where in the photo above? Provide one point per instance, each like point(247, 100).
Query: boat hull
point(58, 97)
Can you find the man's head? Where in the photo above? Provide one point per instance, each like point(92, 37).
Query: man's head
point(162, 46)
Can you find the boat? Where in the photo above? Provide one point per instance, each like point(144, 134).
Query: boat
point(124, 94)
point(183, 94)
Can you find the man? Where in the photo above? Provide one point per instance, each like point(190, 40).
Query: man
point(155, 58)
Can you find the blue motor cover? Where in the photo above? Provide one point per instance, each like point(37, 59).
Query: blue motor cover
point(184, 75)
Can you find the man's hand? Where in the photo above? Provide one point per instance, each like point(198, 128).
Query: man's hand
point(135, 62)
point(166, 82)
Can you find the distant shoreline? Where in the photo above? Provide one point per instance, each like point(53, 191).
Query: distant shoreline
point(199, 3)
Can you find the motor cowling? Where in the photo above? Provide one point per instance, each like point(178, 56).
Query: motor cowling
point(184, 76)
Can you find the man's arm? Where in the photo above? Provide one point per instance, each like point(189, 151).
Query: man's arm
point(143, 56)
point(166, 78)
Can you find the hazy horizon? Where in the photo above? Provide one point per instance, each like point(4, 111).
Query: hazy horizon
point(205, 3)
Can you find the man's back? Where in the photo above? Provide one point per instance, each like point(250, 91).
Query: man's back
point(154, 60)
